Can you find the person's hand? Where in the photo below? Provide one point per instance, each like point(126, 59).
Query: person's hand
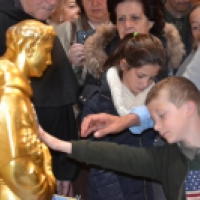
point(101, 124)
point(53, 142)
point(64, 188)
point(48, 139)
point(76, 54)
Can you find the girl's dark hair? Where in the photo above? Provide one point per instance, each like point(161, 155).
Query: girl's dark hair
point(138, 51)
point(153, 10)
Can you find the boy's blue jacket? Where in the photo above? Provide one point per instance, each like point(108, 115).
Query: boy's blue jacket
point(107, 184)
point(166, 164)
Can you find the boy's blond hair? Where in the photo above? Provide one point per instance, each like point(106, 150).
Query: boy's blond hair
point(179, 90)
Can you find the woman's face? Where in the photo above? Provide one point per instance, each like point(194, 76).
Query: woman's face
point(195, 23)
point(131, 18)
point(70, 10)
point(138, 79)
point(96, 10)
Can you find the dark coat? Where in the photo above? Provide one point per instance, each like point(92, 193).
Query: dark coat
point(104, 185)
point(53, 93)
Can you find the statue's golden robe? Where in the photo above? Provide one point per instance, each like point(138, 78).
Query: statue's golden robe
point(25, 162)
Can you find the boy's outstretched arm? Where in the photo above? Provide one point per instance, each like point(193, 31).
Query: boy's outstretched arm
point(54, 143)
point(123, 158)
point(103, 124)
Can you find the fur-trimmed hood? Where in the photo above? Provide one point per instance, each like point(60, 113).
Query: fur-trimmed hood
point(96, 55)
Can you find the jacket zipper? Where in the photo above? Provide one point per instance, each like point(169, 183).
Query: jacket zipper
point(106, 97)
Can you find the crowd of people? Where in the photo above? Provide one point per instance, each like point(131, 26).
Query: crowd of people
point(134, 79)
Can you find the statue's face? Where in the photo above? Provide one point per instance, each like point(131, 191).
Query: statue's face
point(40, 57)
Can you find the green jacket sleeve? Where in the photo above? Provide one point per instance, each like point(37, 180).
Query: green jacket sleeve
point(145, 162)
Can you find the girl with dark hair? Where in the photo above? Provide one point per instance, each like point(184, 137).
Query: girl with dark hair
point(130, 73)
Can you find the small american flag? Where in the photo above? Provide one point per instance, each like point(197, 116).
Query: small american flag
point(192, 185)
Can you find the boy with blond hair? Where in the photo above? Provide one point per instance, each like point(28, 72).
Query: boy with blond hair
point(174, 105)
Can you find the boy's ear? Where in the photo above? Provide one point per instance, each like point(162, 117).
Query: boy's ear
point(191, 108)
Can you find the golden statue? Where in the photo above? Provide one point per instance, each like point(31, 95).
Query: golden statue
point(25, 162)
